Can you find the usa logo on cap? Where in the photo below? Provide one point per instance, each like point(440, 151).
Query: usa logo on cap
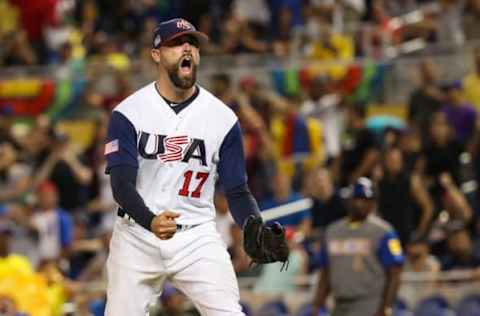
point(182, 24)
point(170, 29)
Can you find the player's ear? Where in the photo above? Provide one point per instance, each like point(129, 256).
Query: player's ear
point(155, 55)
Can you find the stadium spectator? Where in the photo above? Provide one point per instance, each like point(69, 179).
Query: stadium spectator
point(328, 206)
point(35, 17)
point(442, 154)
point(62, 165)
point(410, 142)
point(426, 99)
point(283, 194)
point(16, 50)
point(471, 83)
point(418, 257)
point(380, 31)
point(7, 118)
point(99, 50)
point(239, 37)
point(324, 12)
point(448, 26)
point(286, 16)
point(84, 246)
point(222, 88)
point(471, 21)
point(101, 205)
point(52, 224)
point(257, 139)
point(454, 201)
point(298, 145)
point(460, 253)
point(359, 151)
point(460, 115)
point(324, 105)
point(14, 175)
point(324, 44)
point(403, 200)
point(454, 215)
point(254, 13)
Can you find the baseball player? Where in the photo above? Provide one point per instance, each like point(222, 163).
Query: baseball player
point(361, 260)
point(167, 144)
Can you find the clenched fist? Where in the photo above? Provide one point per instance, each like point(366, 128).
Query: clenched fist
point(164, 225)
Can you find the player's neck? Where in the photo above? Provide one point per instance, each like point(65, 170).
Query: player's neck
point(168, 90)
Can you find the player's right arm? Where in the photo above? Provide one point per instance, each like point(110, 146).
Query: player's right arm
point(122, 164)
point(391, 256)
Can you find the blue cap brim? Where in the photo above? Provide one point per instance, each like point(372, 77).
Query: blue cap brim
point(200, 36)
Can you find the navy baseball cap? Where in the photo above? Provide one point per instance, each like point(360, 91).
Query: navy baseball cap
point(173, 28)
point(362, 189)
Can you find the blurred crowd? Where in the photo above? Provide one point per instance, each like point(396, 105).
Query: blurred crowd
point(41, 31)
point(57, 210)
point(56, 206)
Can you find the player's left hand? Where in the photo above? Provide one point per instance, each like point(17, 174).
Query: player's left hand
point(265, 244)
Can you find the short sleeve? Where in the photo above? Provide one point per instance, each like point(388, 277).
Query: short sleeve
point(121, 143)
point(390, 250)
point(231, 167)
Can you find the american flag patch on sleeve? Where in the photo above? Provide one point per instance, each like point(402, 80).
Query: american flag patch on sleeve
point(111, 147)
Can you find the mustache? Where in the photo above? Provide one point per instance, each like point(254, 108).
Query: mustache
point(185, 56)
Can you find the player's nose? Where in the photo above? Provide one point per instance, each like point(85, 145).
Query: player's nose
point(187, 47)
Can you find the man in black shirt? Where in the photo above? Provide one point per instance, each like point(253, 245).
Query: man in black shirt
point(401, 195)
point(327, 206)
point(426, 99)
point(67, 169)
point(359, 154)
point(442, 154)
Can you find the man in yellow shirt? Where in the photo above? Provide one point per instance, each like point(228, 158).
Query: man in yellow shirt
point(471, 83)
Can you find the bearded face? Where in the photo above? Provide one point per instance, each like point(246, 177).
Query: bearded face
point(183, 73)
point(180, 58)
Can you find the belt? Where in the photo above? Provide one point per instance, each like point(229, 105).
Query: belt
point(180, 227)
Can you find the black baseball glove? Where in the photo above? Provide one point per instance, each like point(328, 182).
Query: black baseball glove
point(265, 244)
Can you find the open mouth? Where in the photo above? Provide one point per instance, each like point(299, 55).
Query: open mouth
point(186, 64)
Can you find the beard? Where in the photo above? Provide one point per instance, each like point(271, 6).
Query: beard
point(185, 82)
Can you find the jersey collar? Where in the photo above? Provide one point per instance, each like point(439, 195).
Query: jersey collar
point(177, 107)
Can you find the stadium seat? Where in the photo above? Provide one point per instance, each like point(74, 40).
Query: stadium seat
point(433, 306)
point(246, 309)
point(400, 308)
point(469, 306)
point(97, 307)
point(307, 310)
point(274, 308)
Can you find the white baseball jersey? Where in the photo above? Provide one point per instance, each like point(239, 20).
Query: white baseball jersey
point(177, 154)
